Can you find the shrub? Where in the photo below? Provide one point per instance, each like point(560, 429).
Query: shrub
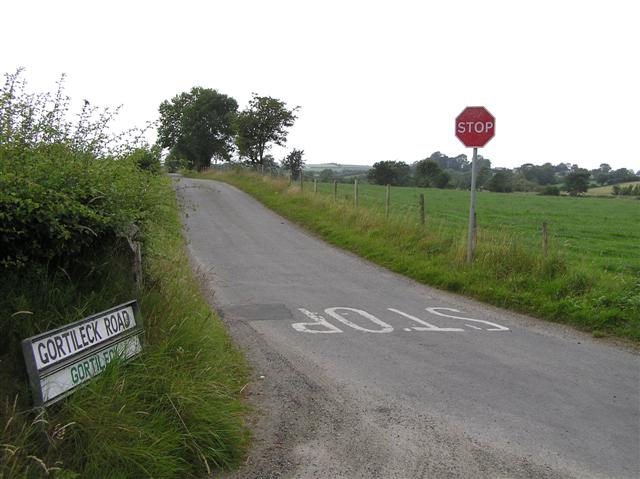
point(628, 190)
point(67, 192)
point(64, 187)
point(56, 203)
point(550, 190)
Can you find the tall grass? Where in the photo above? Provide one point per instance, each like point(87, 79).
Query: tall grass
point(506, 271)
point(71, 195)
point(172, 412)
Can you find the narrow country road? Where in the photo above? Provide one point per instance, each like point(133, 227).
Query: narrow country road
point(361, 373)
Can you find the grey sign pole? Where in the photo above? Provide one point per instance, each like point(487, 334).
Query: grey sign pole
point(472, 206)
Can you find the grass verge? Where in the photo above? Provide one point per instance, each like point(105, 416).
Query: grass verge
point(506, 272)
point(173, 412)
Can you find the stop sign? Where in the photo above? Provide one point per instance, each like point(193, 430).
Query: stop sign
point(475, 126)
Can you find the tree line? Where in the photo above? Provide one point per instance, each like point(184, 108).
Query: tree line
point(441, 171)
point(204, 125)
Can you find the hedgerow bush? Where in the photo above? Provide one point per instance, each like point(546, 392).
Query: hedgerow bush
point(64, 187)
point(70, 192)
point(56, 203)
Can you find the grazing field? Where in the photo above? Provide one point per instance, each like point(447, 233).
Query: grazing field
point(598, 232)
point(608, 190)
point(589, 278)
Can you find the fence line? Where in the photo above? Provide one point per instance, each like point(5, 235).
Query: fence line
point(333, 191)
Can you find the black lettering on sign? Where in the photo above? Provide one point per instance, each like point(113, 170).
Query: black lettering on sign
point(59, 347)
point(107, 325)
point(65, 335)
point(83, 336)
point(96, 330)
point(127, 319)
point(42, 352)
point(51, 349)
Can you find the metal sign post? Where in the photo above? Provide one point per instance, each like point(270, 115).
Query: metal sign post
point(475, 126)
point(472, 206)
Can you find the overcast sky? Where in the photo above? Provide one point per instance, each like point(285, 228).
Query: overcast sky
point(375, 80)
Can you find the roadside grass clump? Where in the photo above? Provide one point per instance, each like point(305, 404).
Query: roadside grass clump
point(172, 412)
point(510, 267)
point(70, 201)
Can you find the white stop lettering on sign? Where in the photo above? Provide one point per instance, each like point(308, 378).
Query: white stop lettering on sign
point(474, 126)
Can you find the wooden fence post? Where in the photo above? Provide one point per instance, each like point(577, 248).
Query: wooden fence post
point(386, 202)
point(315, 186)
point(545, 240)
point(335, 191)
point(355, 193)
point(422, 209)
point(301, 181)
point(136, 250)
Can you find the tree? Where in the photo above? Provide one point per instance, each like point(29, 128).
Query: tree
point(262, 124)
point(441, 180)
point(546, 174)
point(294, 163)
point(198, 126)
point(542, 175)
point(500, 182)
point(326, 175)
point(395, 173)
point(621, 175)
point(484, 171)
point(528, 171)
point(429, 173)
point(601, 175)
point(577, 181)
point(459, 163)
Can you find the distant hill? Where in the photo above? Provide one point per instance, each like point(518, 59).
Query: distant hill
point(337, 168)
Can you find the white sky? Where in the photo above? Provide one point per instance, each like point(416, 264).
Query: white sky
point(375, 80)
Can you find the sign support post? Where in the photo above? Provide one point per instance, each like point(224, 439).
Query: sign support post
point(472, 206)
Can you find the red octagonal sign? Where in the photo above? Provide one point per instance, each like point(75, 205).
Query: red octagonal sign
point(475, 126)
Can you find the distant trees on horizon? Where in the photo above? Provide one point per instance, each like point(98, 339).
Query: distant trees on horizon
point(441, 171)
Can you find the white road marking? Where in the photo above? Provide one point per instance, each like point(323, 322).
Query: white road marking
point(425, 326)
point(317, 321)
point(386, 328)
point(496, 327)
point(322, 326)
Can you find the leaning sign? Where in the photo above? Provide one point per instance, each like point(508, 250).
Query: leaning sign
point(62, 359)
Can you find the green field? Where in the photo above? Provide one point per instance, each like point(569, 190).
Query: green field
point(604, 233)
point(589, 278)
point(607, 190)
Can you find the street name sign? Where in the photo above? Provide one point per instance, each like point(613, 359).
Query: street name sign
point(475, 126)
point(60, 360)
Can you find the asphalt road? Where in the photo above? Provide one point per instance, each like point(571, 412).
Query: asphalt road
point(360, 372)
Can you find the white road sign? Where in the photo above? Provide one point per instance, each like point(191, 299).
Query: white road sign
point(62, 359)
